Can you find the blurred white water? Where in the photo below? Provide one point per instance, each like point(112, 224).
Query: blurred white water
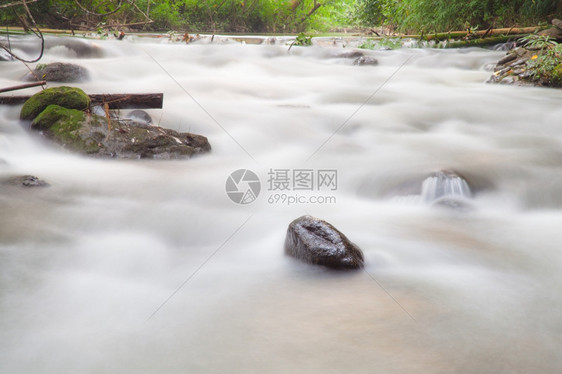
point(86, 262)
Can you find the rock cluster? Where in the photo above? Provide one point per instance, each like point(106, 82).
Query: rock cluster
point(61, 114)
point(514, 67)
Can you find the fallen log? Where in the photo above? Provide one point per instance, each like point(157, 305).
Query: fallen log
point(483, 41)
point(129, 101)
point(481, 33)
point(114, 101)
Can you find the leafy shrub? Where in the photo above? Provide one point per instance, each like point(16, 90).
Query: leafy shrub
point(546, 65)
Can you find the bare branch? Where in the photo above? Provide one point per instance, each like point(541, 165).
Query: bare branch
point(17, 3)
point(37, 32)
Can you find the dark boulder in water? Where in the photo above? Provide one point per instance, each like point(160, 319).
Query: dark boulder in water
point(315, 241)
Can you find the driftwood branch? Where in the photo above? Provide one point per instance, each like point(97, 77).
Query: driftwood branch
point(22, 86)
point(114, 101)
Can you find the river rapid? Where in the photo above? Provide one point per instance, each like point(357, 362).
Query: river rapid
point(147, 266)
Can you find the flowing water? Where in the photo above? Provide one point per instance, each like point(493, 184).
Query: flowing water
point(148, 267)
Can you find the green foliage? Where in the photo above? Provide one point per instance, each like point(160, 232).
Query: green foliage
point(303, 40)
point(534, 41)
point(546, 65)
point(446, 15)
point(385, 43)
point(264, 16)
point(284, 16)
point(369, 44)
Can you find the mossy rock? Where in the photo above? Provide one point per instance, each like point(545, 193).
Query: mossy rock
point(67, 127)
point(55, 113)
point(66, 97)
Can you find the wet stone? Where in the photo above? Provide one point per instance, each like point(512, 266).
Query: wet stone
point(58, 72)
point(315, 241)
point(139, 116)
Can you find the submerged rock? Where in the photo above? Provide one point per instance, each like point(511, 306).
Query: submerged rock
point(73, 47)
point(139, 116)
point(446, 189)
point(317, 242)
point(25, 181)
point(351, 54)
point(445, 183)
point(58, 72)
point(67, 97)
point(366, 60)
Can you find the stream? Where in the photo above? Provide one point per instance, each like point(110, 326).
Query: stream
point(147, 266)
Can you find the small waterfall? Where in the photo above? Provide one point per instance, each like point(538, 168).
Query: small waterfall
point(444, 184)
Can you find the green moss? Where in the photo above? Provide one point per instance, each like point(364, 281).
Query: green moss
point(556, 78)
point(55, 115)
point(68, 128)
point(67, 97)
